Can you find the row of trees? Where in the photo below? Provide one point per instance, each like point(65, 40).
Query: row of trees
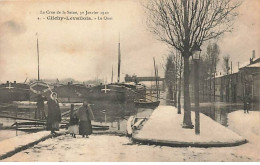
point(173, 76)
point(208, 68)
point(208, 71)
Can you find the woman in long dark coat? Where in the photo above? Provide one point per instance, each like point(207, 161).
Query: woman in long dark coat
point(54, 114)
point(85, 115)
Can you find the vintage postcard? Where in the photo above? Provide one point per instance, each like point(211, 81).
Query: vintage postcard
point(129, 81)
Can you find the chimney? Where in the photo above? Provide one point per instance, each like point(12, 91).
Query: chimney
point(231, 67)
point(253, 55)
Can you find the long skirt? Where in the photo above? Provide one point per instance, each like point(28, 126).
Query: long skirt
point(74, 129)
point(55, 126)
point(85, 127)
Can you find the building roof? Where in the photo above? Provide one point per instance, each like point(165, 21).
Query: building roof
point(256, 65)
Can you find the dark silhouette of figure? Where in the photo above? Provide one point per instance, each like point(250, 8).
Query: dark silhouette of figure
point(247, 104)
point(40, 107)
point(54, 114)
point(85, 115)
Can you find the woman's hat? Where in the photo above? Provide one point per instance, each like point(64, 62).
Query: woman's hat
point(52, 94)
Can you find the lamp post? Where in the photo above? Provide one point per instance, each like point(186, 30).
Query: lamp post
point(196, 58)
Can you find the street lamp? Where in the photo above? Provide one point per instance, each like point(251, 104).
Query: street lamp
point(196, 52)
point(196, 58)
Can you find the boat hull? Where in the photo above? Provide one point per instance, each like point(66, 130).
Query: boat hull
point(151, 105)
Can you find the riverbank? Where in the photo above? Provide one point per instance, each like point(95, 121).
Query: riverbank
point(164, 127)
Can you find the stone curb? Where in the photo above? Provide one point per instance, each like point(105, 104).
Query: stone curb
point(187, 144)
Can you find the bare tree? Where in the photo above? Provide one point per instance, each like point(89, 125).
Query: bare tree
point(212, 59)
point(225, 65)
point(204, 74)
point(182, 23)
point(170, 72)
point(179, 73)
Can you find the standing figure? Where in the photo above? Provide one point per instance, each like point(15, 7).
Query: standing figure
point(40, 107)
point(74, 123)
point(54, 114)
point(245, 104)
point(248, 104)
point(85, 116)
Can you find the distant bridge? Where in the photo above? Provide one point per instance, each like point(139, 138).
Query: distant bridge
point(138, 79)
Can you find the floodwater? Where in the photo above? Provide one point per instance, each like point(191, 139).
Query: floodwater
point(219, 111)
point(116, 115)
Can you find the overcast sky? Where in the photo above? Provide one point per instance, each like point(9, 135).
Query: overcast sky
point(84, 50)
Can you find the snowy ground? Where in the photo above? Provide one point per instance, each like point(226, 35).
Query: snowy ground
point(6, 134)
point(248, 126)
point(165, 124)
point(103, 148)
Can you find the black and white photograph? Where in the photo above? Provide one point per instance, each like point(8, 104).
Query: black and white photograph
point(129, 81)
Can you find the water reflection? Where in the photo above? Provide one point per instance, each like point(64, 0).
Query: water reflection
point(219, 111)
point(112, 111)
point(116, 115)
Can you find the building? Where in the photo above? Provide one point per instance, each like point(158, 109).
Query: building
point(242, 83)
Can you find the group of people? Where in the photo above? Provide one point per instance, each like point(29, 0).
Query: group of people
point(80, 120)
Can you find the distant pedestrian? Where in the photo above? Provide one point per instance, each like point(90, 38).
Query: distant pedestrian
point(54, 114)
point(74, 124)
point(85, 116)
point(247, 104)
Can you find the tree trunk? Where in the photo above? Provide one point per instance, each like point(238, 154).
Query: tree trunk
point(175, 97)
point(187, 113)
point(210, 87)
point(214, 87)
point(176, 81)
point(203, 92)
point(179, 94)
point(170, 92)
